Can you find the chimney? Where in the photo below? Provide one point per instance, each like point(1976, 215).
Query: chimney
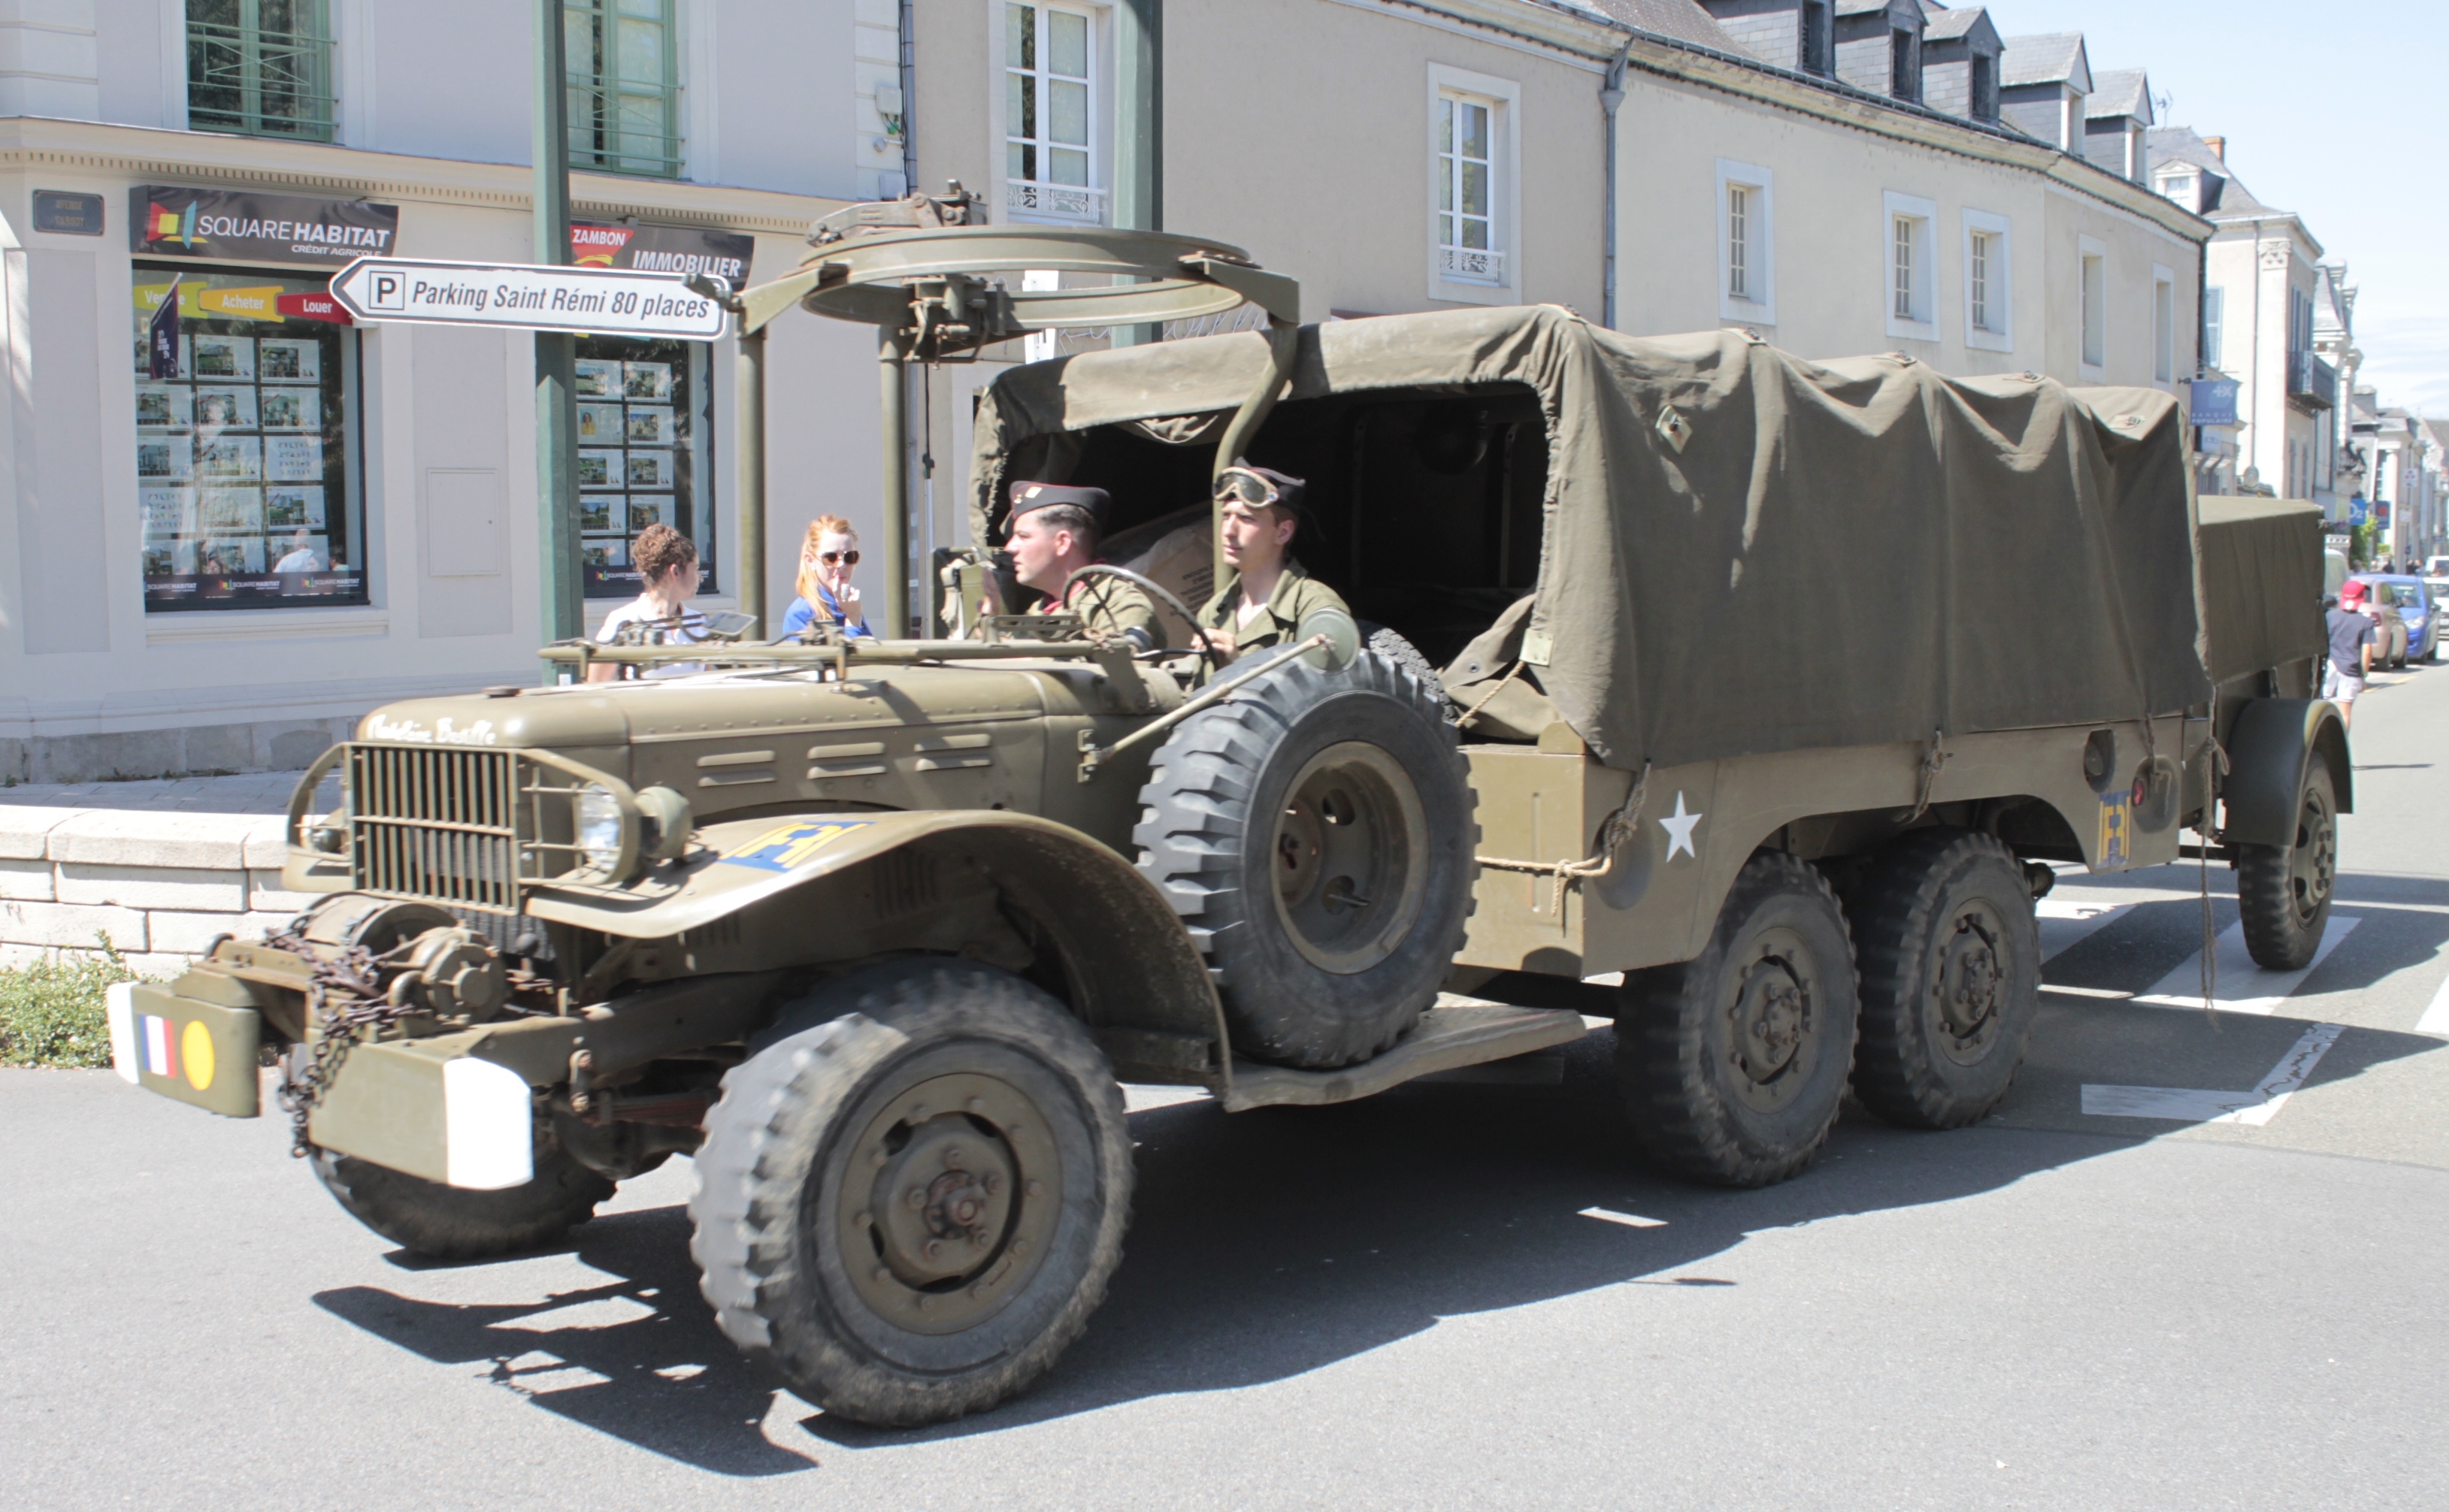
point(2218, 146)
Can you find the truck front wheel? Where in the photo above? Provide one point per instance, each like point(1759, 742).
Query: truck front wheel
point(2284, 891)
point(1951, 978)
point(908, 1208)
point(447, 1223)
point(1733, 1064)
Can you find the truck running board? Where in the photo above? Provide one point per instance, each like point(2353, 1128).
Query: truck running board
point(1459, 1031)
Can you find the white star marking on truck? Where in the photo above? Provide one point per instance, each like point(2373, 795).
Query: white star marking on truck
point(1679, 830)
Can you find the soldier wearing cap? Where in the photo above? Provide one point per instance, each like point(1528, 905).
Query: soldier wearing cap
point(1266, 599)
point(1054, 531)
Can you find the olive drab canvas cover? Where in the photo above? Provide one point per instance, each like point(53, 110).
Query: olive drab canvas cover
point(2260, 585)
point(1746, 551)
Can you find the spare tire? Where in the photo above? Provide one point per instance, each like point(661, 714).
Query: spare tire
point(1314, 832)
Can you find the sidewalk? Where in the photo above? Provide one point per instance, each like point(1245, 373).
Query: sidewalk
point(157, 868)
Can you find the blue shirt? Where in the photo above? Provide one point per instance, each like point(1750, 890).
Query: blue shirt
point(801, 614)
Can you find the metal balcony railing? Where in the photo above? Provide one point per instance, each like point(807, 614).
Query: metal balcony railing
point(1472, 265)
point(2312, 383)
point(257, 79)
point(1056, 201)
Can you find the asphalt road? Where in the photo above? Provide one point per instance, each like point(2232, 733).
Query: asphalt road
point(1450, 1296)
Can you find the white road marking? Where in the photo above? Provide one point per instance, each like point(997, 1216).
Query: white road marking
point(2243, 987)
point(2065, 922)
point(2192, 1105)
point(2119, 993)
point(2436, 1018)
point(1629, 1221)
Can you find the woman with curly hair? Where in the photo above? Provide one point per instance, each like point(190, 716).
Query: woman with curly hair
point(666, 563)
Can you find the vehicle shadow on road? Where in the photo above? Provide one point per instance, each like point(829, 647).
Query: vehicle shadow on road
point(638, 1357)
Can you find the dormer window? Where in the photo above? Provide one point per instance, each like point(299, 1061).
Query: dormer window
point(1818, 53)
point(1985, 87)
point(1904, 64)
point(2183, 187)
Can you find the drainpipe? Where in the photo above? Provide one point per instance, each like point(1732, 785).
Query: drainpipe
point(1139, 132)
point(1610, 96)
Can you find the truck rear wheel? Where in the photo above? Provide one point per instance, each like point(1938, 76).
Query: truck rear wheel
point(2283, 892)
point(1951, 970)
point(448, 1223)
point(1314, 834)
point(908, 1209)
point(1733, 1064)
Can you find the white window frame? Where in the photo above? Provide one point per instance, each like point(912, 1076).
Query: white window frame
point(2164, 325)
point(1997, 331)
point(2214, 328)
point(2091, 308)
point(1922, 286)
point(1504, 98)
point(1757, 306)
point(1040, 200)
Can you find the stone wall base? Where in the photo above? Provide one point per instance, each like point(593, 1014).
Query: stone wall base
point(205, 750)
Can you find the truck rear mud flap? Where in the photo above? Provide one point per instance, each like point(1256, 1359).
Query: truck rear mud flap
point(1458, 1032)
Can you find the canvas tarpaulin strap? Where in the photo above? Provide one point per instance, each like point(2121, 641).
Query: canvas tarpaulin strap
point(1803, 555)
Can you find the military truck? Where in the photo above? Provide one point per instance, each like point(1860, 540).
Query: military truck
point(1778, 688)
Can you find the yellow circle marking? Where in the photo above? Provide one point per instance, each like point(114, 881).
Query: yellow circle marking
point(196, 1055)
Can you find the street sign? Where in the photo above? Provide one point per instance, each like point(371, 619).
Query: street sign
point(527, 296)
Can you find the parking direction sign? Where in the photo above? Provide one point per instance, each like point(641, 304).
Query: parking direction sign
point(527, 297)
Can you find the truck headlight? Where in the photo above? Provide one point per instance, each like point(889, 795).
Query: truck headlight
point(599, 827)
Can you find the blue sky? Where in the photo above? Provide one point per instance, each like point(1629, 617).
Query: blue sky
point(2336, 109)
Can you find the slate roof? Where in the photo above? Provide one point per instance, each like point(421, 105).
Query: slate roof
point(1856, 8)
point(2055, 57)
point(1944, 24)
point(2119, 92)
point(1682, 20)
point(2181, 144)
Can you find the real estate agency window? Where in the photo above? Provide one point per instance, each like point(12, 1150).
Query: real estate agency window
point(248, 473)
point(646, 429)
point(1050, 113)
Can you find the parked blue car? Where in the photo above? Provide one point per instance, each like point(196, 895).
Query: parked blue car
point(2412, 601)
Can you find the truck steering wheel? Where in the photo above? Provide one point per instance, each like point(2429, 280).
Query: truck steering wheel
point(1155, 590)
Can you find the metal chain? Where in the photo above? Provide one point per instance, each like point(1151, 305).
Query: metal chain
point(345, 998)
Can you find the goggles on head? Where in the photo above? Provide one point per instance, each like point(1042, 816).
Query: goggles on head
point(1242, 485)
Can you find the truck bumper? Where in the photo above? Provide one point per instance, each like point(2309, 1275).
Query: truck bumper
point(188, 1051)
point(428, 1108)
point(425, 1107)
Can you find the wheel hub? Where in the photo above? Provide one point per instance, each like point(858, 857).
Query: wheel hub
point(1969, 985)
point(951, 1189)
point(2312, 862)
point(1350, 857)
point(1771, 1019)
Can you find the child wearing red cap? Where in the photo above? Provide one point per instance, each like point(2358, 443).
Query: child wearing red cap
point(2352, 635)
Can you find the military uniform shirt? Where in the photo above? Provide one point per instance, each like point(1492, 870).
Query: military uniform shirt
point(1296, 597)
point(1113, 607)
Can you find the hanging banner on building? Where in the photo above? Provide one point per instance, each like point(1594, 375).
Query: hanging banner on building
point(662, 249)
point(2212, 401)
point(241, 226)
point(527, 297)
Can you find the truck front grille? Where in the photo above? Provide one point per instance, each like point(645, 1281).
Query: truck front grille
point(435, 823)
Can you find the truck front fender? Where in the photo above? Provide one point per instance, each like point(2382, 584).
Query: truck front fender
point(2268, 750)
point(1134, 974)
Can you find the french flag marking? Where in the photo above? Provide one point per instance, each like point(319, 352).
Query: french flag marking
point(161, 1047)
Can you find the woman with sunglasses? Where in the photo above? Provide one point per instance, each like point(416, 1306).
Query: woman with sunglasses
point(827, 558)
point(1265, 599)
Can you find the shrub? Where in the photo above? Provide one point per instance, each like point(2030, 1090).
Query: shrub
point(51, 1012)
